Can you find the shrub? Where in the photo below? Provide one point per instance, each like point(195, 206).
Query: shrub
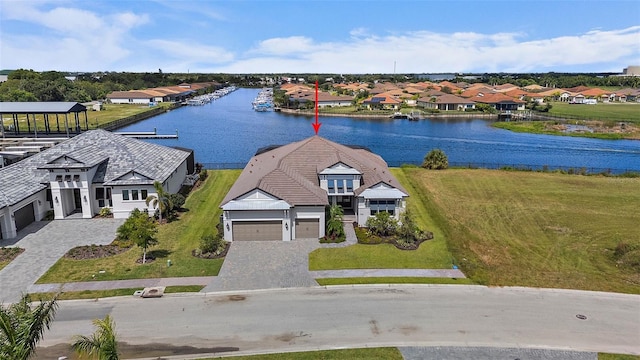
point(203, 175)
point(212, 244)
point(105, 212)
point(436, 159)
point(335, 229)
point(50, 215)
point(177, 200)
point(382, 224)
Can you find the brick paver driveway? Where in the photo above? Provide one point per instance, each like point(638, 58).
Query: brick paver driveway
point(44, 244)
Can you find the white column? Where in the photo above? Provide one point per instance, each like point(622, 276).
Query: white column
point(58, 209)
point(87, 208)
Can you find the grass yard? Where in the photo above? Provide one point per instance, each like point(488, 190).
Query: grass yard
point(432, 254)
point(534, 229)
point(7, 254)
point(95, 294)
point(176, 241)
point(392, 280)
point(606, 356)
point(343, 354)
point(601, 111)
point(551, 128)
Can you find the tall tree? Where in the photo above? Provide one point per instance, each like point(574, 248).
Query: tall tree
point(102, 343)
point(161, 200)
point(335, 228)
point(140, 229)
point(22, 326)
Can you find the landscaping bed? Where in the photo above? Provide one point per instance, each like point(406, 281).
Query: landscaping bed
point(94, 252)
point(7, 254)
point(364, 237)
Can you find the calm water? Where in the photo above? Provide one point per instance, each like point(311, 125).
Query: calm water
point(229, 131)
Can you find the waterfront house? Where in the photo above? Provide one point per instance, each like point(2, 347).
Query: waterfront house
point(382, 102)
point(80, 176)
point(446, 102)
point(283, 191)
point(500, 102)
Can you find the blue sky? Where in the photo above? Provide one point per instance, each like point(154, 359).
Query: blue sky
point(320, 36)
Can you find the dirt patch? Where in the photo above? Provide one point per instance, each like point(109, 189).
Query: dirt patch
point(373, 324)
point(94, 252)
point(8, 254)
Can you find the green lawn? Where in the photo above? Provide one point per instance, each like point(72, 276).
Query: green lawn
point(177, 240)
point(534, 229)
point(601, 111)
point(546, 127)
point(350, 354)
point(7, 254)
point(605, 356)
point(392, 280)
point(432, 254)
point(95, 294)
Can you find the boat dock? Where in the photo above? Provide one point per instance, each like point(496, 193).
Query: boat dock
point(147, 134)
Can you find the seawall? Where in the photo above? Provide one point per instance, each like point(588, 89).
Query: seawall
point(117, 124)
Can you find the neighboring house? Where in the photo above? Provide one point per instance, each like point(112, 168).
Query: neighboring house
point(283, 191)
point(94, 170)
point(328, 100)
point(382, 102)
point(446, 102)
point(131, 97)
point(500, 102)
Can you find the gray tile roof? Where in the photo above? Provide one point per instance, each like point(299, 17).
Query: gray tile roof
point(115, 155)
point(290, 172)
point(41, 107)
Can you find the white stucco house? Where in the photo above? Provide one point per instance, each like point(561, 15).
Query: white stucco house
point(283, 191)
point(78, 177)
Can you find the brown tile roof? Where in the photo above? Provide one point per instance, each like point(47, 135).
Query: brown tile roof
point(505, 87)
point(447, 99)
point(132, 94)
point(495, 98)
point(290, 172)
point(595, 92)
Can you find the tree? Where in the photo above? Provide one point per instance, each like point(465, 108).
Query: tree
point(102, 343)
point(160, 201)
point(22, 326)
point(140, 229)
point(382, 224)
point(436, 159)
point(335, 228)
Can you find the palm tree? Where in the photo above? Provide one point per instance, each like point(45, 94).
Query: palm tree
point(102, 343)
point(335, 228)
point(161, 200)
point(22, 326)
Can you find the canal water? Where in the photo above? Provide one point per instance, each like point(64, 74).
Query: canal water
point(227, 132)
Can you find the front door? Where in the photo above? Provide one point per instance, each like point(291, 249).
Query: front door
point(77, 201)
point(345, 202)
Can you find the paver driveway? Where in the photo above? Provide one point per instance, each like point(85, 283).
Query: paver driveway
point(44, 244)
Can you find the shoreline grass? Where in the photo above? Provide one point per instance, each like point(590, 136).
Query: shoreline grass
point(540, 127)
point(392, 280)
point(176, 241)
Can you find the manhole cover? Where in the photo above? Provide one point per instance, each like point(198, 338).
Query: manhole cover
point(581, 317)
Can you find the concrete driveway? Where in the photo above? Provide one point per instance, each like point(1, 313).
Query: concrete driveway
point(44, 243)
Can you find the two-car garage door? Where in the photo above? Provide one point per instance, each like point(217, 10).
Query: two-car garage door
point(257, 230)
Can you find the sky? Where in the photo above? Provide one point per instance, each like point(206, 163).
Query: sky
point(309, 36)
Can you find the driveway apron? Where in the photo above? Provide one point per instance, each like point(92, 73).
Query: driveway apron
point(44, 244)
point(253, 265)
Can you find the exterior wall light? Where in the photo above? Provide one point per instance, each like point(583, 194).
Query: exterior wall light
point(85, 198)
point(228, 227)
point(286, 226)
point(57, 200)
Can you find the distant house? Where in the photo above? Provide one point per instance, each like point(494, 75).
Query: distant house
point(446, 102)
point(283, 191)
point(80, 176)
point(382, 102)
point(500, 102)
point(328, 100)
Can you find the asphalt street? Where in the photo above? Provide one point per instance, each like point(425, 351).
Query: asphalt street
point(361, 316)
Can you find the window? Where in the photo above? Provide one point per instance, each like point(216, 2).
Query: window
point(377, 206)
point(76, 177)
point(59, 178)
point(99, 193)
point(109, 197)
point(125, 194)
point(143, 194)
point(332, 186)
point(67, 178)
point(134, 194)
point(349, 185)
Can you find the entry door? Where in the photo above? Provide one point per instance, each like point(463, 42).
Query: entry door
point(77, 200)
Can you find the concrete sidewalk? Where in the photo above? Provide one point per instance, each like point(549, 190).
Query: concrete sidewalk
point(120, 284)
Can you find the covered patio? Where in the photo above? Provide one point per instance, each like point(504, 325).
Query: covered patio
point(42, 113)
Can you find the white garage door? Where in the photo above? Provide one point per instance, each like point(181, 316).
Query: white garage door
point(307, 228)
point(257, 230)
point(24, 217)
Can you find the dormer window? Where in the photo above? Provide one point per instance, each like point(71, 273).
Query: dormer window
point(59, 178)
point(67, 178)
point(76, 178)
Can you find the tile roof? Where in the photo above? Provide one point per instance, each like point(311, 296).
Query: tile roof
point(115, 155)
point(290, 172)
point(496, 98)
point(447, 99)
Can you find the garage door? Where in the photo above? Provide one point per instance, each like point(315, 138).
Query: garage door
point(24, 217)
point(257, 230)
point(307, 228)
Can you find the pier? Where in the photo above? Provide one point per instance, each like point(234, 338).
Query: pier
point(147, 134)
